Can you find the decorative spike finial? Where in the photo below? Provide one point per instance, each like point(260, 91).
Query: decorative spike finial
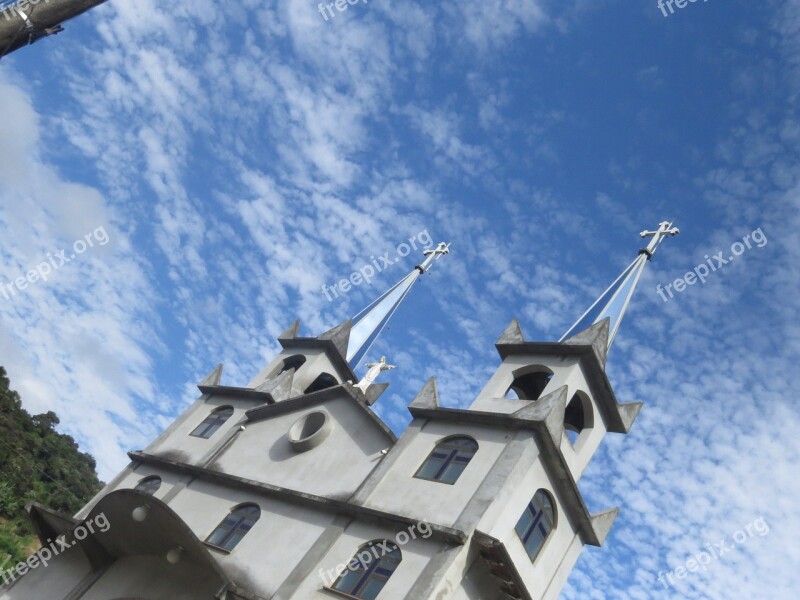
point(212, 378)
point(512, 334)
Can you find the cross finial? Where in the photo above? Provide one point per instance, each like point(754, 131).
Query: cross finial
point(665, 228)
point(432, 256)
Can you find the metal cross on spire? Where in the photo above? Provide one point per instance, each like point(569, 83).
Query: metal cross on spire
point(614, 302)
point(665, 228)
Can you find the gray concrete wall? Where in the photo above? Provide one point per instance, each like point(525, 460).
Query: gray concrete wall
point(567, 371)
point(151, 578)
point(416, 555)
point(333, 469)
point(501, 518)
point(491, 396)
point(131, 478)
point(400, 492)
point(53, 582)
point(272, 548)
point(178, 444)
point(316, 362)
point(580, 455)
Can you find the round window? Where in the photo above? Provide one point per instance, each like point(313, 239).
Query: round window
point(310, 431)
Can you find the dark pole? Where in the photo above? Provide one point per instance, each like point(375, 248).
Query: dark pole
point(26, 21)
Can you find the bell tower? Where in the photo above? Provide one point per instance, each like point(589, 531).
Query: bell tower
point(511, 462)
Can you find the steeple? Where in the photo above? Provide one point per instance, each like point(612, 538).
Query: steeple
point(613, 303)
point(368, 324)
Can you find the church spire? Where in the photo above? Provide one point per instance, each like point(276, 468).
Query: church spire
point(613, 303)
point(368, 324)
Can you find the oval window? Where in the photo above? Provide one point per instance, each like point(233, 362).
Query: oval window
point(310, 431)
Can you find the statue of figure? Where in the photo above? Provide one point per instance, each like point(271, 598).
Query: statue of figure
point(375, 369)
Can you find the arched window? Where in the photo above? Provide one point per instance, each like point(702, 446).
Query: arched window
point(536, 523)
point(292, 362)
point(234, 527)
point(324, 381)
point(149, 485)
point(529, 382)
point(448, 460)
point(578, 417)
point(369, 570)
point(213, 422)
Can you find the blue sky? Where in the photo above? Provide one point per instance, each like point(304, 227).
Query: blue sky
point(237, 163)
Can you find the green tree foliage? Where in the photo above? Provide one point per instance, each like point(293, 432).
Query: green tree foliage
point(37, 464)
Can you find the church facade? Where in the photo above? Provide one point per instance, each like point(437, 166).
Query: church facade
point(292, 488)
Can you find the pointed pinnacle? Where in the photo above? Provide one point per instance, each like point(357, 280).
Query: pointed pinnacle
point(340, 336)
point(291, 332)
point(595, 336)
point(212, 378)
point(511, 335)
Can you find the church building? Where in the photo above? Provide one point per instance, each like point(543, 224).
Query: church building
point(293, 488)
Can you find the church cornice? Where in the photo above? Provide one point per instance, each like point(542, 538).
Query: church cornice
point(441, 532)
point(237, 392)
point(344, 390)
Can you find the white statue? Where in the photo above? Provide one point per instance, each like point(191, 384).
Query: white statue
point(375, 369)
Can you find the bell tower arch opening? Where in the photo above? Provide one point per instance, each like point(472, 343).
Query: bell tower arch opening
point(529, 382)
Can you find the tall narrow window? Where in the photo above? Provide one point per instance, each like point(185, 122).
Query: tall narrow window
point(448, 460)
point(149, 485)
point(369, 570)
point(213, 422)
point(234, 527)
point(536, 523)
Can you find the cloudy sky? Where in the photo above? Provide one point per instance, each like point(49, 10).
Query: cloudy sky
point(212, 165)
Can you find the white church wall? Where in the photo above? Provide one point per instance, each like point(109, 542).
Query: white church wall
point(491, 397)
point(580, 455)
point(535, 573)
point(559, 578)
point(334, 468)
point(152, 577)
point(131, 479)
point(399, 491)
point(271, 549)
point(501, 519)
point(273, 368)
point(317, 361)
point(177, 443)
point(52, 582)
point(416, 555)
point(477, 583)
